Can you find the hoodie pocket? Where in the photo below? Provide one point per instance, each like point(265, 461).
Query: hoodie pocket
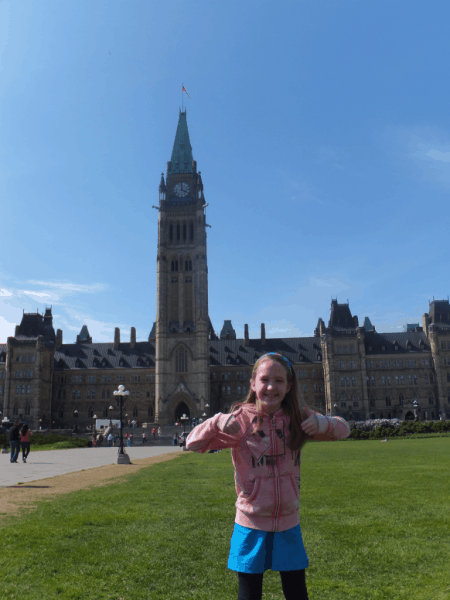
point(261, 501)
point(290, 502)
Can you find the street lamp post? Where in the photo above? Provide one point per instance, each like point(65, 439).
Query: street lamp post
point(122, 456)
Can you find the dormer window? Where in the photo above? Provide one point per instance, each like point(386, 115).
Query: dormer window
point(103, 363)
point(383, 348)
point(319, 357)
point(395, 347)
point(120, 363)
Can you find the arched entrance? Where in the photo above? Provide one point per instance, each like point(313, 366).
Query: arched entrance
point(409, 416)
point(181, 409)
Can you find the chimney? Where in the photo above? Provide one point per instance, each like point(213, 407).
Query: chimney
point(133, 337)
point(116, 338)
point(246, 339)
point(263, 334)
point(59, 338)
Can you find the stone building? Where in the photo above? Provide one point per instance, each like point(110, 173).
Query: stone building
point(185, 367)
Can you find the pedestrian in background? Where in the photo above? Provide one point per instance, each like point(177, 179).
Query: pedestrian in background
point(144, 437)
point(14, 441)
point(154, 433)
point(159, 431)
point(131, 438)
point(25, 433)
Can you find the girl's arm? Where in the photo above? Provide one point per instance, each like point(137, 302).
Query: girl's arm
point(322, 428)
point(219, 432)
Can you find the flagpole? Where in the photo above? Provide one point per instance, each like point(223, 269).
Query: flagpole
point(182, 85)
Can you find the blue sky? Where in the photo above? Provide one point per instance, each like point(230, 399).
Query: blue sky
point(321, 129)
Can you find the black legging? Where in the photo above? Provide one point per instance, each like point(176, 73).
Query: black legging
point(293, 583)
point(25, 449)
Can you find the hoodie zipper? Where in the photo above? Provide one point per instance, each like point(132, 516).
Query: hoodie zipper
point(276, 478)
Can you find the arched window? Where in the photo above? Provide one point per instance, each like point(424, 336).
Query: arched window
point(343, 400)
point(355, 400)
point(396, 380)
point(191, 231)
point(108, 394)
point(88, 395)
point(174, 265)
point(383, 380)
point(239, 390)
point(389, 380)
point(229, 390)
point(342, 382)
point(93, 393)
point(23, 389)
point(431, 399)
point(28, 389)
point(388, 401)
point(27, 409)
point(188, 264)
point(244, 390)
point(150, 412)
point(181, 360)
point(425, 378)
point(402, 380)
point(224, 390)
point(73, 394)
point(184, 231)
point(79, 394)
point(401, 398)
point(15, 409)
point(135, 411)
point(103, 394)
point(353, 381)
point(348, 381)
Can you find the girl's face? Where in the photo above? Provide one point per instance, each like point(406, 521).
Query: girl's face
point(270, 386)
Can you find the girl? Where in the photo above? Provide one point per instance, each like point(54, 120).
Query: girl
point(266, 432)
point(25, 433)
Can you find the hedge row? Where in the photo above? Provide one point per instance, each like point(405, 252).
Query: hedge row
point(406, 428)
point(38, 439)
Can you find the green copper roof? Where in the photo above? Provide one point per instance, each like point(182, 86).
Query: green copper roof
point(182, 150)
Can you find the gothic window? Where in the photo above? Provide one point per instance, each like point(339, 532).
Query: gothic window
point(389, 380)
point(355, 400)
point(73, 394)
point(383, 380)
point(224, 390)
point(103, 393)
point(174, 264)
point(188, 264)
point(342, 382)
point(410, 379)
point(402, 380)
point(93, 394)
point(431, 399)
point(28, 389)
point(108, 394)
point(239, 390)
point(138, 393)
point(229, 390)
point(426, 378)
point(372, 402)
point(184, 231)
point(388, 401)
point(368, 381)
point(191, 231)
point(353, 381)
point(88, 395)
point(181, 360)
point(1, 392)
point(27, 409)
point(79, 394)
point(348, 381)
point(373, 381)
point(150, 412)
point(23, 389)
point(135, 411)
point(17, 389)
point(120, 365)
point(15, 409)
point(415, 379)
point(401, 399)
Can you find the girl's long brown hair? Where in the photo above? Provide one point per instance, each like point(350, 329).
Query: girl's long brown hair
point(290, 403)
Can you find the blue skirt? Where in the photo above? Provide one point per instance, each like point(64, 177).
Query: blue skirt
point(255, 551)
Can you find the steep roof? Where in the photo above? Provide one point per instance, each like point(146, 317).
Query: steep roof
point(440, 312)
point(181, 161)
point(34, 325)
point(417, 342)
point(340, 316)
point(91, 356)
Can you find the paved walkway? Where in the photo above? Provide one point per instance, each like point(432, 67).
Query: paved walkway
point(48, 463)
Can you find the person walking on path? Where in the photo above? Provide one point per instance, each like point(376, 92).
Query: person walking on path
point(159, 431)
point(14, 441)
point(175, 440)
point(144, 437)
point(266, 432)
point(131, 439)
point(154, 433)
point(25, 433)
point(110, 439)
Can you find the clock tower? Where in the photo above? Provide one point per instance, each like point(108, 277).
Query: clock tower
point(182, 321)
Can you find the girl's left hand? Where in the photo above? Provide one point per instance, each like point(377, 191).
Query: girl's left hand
point(314, 424)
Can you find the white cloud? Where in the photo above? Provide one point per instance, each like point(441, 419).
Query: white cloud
point(66, 286)
point(438, 155)
point(4, 292)
point(38, 294)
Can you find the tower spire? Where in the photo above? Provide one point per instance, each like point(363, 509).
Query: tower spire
point(181, 161)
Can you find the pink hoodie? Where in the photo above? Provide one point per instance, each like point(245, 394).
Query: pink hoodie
point(267, 472)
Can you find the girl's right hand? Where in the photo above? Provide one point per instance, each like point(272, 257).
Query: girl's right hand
point(231, 426)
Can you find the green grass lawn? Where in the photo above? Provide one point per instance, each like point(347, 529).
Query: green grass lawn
point(375, 520)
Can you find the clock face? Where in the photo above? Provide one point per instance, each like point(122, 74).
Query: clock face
point(181, 189)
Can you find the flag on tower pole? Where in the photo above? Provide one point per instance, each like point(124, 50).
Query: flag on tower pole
point(184, 90)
